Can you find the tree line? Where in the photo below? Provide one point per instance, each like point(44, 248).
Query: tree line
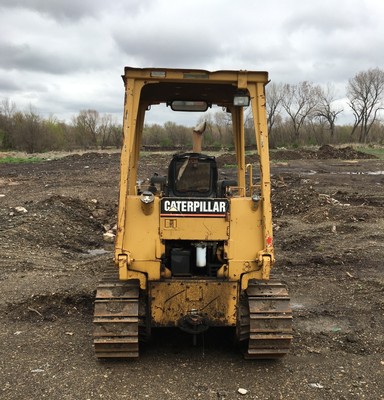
point(311, 110)
point(28, 131)
point(299, 114)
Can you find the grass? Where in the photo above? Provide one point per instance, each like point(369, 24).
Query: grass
point(375, 151)
point(19, 160)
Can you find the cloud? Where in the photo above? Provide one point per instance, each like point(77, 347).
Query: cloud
point(37, 44)
point(168, 49)
point(25, 57)
point(66, 11)
point(9, 84)
point(56, 9)
point(63, 56)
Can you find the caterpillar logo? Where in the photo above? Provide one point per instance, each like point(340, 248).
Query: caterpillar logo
point(194, 207)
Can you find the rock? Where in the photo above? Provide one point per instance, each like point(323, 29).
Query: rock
point(316, 386)
point(242, 391)
point(107, 227)
point(20, 209)
point(99, 213)
point(352, 338)
point(221, 395)
point(109, 237)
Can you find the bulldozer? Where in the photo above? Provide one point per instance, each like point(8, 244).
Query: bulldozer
point(193, 251)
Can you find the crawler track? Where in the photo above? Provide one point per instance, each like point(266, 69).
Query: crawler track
point(265, 320)
point(116, 318)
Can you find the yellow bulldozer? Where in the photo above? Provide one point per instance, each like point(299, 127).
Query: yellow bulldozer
point(193, 251)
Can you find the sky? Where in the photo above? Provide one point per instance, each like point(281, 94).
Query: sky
point(58, 57)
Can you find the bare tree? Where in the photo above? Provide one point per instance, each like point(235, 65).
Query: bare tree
point(299, 102)
point(109, 133)
point(86, 124)
point(29, 132)
point(249, 131)
point(365, 92)
point(116, 135)
point(223, 125)
point(325, 110)
point(7, 108)
point(274, 95)
point(104, 130)
point(153, 134)
point(7, 126)
point(177, 135)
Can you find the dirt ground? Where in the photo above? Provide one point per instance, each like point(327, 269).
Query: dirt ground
point(329, 237)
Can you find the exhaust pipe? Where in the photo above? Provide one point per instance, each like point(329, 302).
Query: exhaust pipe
point(197, 136)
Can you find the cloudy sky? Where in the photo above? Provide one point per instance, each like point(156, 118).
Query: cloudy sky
point(63, 56)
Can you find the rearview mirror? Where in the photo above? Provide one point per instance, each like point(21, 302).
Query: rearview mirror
point(182, 105)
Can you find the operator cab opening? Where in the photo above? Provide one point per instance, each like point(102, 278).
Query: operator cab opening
point(192, 175)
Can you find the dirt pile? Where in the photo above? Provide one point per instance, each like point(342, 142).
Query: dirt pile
point(325, 152)
point(62, 222)
point(293, 201)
